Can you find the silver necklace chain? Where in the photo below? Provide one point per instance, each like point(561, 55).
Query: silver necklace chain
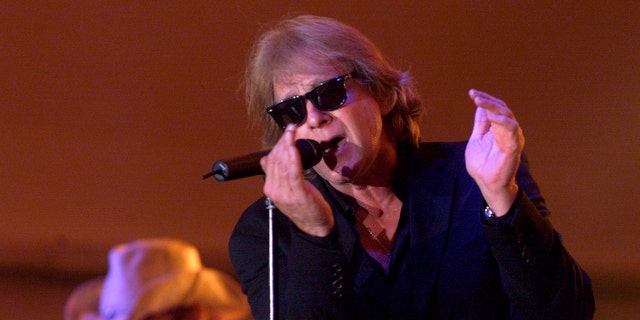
point(373, 236)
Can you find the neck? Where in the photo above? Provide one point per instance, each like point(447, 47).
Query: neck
point(379, 209)
point(375, 186)
point(374, 200)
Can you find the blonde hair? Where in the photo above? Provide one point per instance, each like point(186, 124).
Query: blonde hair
point(328, 42)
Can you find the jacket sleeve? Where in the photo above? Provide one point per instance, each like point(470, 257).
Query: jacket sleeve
point(540, 277)
point(309, 270)
point(248, 250)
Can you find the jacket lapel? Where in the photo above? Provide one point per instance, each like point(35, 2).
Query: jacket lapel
point(429, 213)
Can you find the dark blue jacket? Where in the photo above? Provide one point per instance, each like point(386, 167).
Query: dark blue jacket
point(448, 262)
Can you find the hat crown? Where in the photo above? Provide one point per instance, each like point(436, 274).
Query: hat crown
point(134, 267)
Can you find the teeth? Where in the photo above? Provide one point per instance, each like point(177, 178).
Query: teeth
point(331, 145)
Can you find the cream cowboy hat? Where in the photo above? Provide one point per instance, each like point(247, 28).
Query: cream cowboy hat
point(150, 276)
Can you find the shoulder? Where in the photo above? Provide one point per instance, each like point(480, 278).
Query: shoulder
point(436, 156)
point(430, 165)
point(439, 150)
point(255, 213)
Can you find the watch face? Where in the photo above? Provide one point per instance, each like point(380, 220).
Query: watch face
point(489, 213)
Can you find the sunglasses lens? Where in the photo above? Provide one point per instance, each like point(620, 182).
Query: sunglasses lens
point(289, 111)
point(329, 96)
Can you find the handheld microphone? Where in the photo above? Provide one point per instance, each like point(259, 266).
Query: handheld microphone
point(249, 165)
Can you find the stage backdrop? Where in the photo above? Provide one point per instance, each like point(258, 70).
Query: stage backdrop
point(110, 112)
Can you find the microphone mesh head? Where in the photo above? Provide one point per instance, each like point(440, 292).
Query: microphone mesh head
point(310, 152)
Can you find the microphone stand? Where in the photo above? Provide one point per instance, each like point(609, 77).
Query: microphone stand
point(272, 304)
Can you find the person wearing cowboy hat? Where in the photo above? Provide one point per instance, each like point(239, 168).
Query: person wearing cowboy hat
point(158, 278)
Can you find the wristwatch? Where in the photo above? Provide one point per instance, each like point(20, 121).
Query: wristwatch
point(488, 213)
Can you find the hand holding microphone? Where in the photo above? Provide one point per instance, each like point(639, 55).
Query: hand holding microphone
point(300, 201)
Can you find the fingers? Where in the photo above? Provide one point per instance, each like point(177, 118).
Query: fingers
point(496, 111)
point(292, 156)
point(481, 123)
point(495, 121)
point(284, 149)
point(490, 103)
point(282, 166)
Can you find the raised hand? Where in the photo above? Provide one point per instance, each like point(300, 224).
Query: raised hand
point(493, 152)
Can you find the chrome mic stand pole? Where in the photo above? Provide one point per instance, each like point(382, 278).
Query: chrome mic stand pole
point(272, 309)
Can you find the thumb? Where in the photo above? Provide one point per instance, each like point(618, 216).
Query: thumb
point(481, 123)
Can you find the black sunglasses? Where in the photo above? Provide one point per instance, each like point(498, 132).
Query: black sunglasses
point(326, 96)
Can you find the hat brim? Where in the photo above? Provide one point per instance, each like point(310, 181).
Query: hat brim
point(84, 299)
point(210, 287)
